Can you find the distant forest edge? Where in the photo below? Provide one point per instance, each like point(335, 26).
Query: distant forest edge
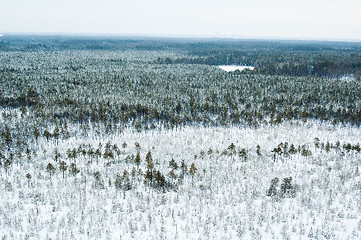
point(270, 57)
point(54, 82)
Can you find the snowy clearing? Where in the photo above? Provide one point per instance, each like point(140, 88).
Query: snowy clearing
point(232, 68)
point(227, 198)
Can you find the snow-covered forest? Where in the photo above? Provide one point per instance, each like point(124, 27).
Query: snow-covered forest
point(148, 139)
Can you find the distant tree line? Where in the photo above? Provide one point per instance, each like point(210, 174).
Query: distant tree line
point(108, 90)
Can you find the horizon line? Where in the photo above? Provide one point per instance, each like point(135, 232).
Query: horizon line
point(184, 36)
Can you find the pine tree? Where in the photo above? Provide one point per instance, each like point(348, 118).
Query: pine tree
point(7, 164)
point(126, 182)
point(243, 154)
point(63, 167)
point(1, 157)
point(98, 181)
point(91, 153)
point(118, 183)
point(279, 118)
point(287, 188)
point(8, 138)
point(137, 146)
point(149, 160)
point(19, 156)
point(36, 134)
point(172, 174)
point(124, 145)
point(160, 180)
point(173, 164)
point(28, 154)
point(57, 155)
point(137, 160)
point(98, 154)
point(305, 152)
point(123, 181)
point(258, 151)
point(148, 179)
point(56, 134)
point(68, 153)
point(83, 152)
point(317, 142)
point(183, 167)
point(47, 135)
point(272, 191)
point(28, 176)
point(50, 169)
point(292, 149)
point(232, 148)
point(73, 169)
point(192, 170)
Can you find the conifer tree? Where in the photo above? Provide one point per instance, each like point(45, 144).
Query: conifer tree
point(149, 160)
point(137, 146)
point(287, 188)
point(28, 154)
point(98, 154)
point(292, 149)
point(118, 183)
point(192, 170)
point(173, 164)
point(19, 156)
point(272, 191)
point(160, 180)
point(7, 165)
point(91, 153)
point(124, 145)
point(8, 138)
point(1, 157)
point(137, 160)
point(50, 169)
point(36, 134)
point(148, 179)
point(28, 176)
point(56, 134)
point(47, 135)
point(183, 167)
point(243, 154)
point(258, 151)
point(63, 167)
point(73, 169)
point(232, 148)
point(57, 155)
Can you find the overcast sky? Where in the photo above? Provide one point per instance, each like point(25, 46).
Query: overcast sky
point(300, 19)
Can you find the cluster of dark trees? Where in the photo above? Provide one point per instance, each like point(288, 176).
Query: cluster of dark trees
point(280, 58)
point(144, 88)
point(271, 57)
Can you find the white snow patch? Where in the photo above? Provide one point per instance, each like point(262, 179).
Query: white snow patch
point(232, 68)
point(348, 78)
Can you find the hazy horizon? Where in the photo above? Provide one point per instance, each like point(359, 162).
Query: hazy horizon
point(259, 19)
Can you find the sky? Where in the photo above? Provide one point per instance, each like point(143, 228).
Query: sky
point(289, 19)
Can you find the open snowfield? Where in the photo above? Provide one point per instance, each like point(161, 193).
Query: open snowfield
point(231, 68)
point(226, 198)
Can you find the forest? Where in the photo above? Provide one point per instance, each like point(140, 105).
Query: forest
point(130, 137)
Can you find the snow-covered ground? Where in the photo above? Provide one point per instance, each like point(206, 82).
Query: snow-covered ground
point(348, 78)
point(226, 199)
point(232, 68)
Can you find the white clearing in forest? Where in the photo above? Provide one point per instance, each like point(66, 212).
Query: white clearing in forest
point(227, 198)
point(232, 68)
